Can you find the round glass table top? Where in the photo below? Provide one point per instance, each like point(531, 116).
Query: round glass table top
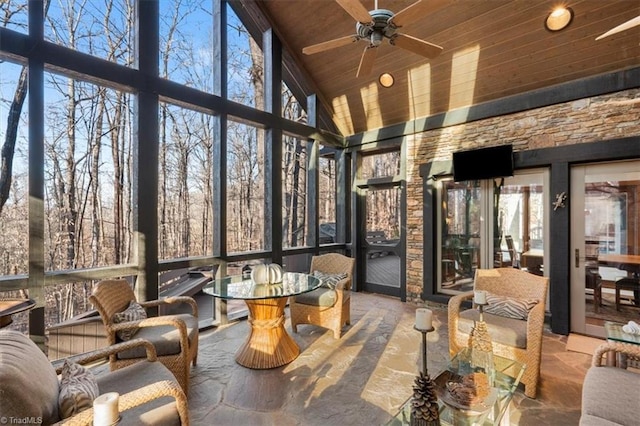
point(239, 287)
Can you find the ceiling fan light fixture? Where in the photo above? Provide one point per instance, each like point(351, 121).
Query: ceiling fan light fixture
point(376, 38)
point(386, 80)
point(559, 19)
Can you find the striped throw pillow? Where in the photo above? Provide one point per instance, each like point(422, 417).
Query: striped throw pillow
point(329, 280)
point(78, 389)
point(509, 307)
point(134, 312)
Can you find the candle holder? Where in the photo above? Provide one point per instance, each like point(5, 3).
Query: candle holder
point(481, 346)
point(424, 402)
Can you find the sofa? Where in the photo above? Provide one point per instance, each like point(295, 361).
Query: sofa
point(30, 386)
point(611, 395)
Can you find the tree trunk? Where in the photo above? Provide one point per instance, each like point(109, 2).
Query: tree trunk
point(8, 149)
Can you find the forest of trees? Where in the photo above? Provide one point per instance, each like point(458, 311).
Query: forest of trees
point(88, 148)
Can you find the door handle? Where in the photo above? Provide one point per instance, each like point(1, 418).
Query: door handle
point(577, 254)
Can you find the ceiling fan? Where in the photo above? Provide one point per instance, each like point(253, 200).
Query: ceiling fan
point(376, 25)
point(622, 27)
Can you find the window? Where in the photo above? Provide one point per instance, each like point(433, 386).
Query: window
point(245, 188)
point(294, 192)
point(185, 193)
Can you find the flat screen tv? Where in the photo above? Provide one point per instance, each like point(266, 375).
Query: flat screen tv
point(483, 163)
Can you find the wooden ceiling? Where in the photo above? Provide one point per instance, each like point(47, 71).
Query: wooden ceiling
point(492, 49)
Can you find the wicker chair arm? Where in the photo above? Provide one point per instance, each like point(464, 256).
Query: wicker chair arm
point(629, 350)
point(344, 284)
point(453, 309)
point(161, 389)
point(173, 300)
point(154, 391)
point(111, 350)
point(153, 322)
point(455, 303)
point(535, 321)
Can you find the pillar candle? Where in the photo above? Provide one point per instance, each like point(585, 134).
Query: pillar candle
point(105, 409)
point(480, 297)
point(424, 319)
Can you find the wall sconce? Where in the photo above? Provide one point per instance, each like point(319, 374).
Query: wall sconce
point(559, 19)
point(386, 80)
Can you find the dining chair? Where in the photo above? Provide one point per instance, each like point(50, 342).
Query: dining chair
point(330, 305)
point(630, 284)
point(175, 337)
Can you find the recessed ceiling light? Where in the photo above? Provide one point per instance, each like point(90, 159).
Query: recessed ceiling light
point(559, 19)
point(386, 80)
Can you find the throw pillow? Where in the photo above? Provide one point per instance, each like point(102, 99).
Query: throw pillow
point(509, 307)
point(329, 280)
point(78, 389)
point(134, 312)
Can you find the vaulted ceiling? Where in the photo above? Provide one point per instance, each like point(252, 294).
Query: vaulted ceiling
point(491, 49)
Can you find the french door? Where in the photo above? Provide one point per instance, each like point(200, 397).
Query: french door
point(605, 244)
point(491, 223)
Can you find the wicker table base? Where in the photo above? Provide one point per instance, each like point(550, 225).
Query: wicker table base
point(268, 344)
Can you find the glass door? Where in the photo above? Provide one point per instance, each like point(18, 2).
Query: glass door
point(491, 223)
point(461, 225)
point(605, 245)
point(382, 240)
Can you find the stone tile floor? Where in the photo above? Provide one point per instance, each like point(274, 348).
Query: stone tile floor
point(361, 379)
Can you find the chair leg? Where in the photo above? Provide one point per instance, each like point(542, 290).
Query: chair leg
point(530, 391)
point(617, 299)
point(597, 297)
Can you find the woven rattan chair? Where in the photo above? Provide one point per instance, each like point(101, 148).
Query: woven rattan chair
point(175, 337)
point(512, 338)
point(29, 385)
point(610, 392)
point(307, 309)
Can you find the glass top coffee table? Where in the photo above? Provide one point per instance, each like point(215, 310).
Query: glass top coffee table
point(615, 334)
point(268, 344)
point(507, 377)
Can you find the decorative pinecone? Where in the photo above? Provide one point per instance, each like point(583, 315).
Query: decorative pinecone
point(424, 403)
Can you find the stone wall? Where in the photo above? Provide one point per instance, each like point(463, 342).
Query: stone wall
point(594, 119)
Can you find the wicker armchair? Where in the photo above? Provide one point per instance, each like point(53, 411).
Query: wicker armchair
point(149, 393)
point(512, 338)
point(175, 337)
point(309, 308)
point(610, 394)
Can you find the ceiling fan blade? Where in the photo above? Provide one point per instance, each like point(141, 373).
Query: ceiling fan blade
point(356, 10)
point(331, 44)
point(416, 45)
point(367, 60)
point(417, 10)
point(625, 26)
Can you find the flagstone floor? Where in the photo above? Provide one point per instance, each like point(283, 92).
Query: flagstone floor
point(361, 379)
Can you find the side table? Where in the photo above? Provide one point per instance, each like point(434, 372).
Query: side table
point(615, 334)
point(8, 307)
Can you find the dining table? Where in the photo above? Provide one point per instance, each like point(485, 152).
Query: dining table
point(268, 345)
point(627, 262)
